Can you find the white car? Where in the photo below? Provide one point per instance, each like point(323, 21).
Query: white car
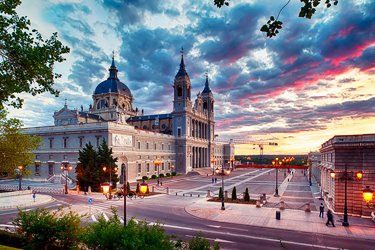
point(373, 216)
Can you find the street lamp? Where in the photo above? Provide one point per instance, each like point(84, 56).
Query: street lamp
point(222, 173)
point(367, 196)
point(213, 161)
point(345, 177)
point(277, 163)
point(110, 179)
point(65, 167)
point(157, 163)
point(20, 177)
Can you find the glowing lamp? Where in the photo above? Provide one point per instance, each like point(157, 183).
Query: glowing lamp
point(104, 169)
point(105, 188)
point(333, 174)
point(227, 171)
point(217, 170)
point(367, 194)
point(143, 188)
point(359, 175)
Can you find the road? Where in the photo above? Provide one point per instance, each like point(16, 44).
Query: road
point(169, 211)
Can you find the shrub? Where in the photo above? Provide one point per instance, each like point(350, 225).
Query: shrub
point(161, 175)
point(145, 178)
point(12, 240)
point(246, 196)
point(174, 173)
point(43, 228)
point(198, 242)
point(137, 190)
point(128, 190)
point(234, 194)
point(168, 174)
point(154, 176)
point(221, 195)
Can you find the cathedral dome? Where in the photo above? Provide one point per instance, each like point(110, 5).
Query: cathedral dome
point(112, 84)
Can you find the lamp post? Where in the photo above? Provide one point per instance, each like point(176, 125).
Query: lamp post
point(222, 173)
point(20, 177)
point(277, 163)
point(66, 168)
point(110, 179)
point(125, 183)
point(346, 177)
point(157, 163)
point(367, 196)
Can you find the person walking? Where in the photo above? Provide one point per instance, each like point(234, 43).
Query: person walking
point(321, 209)
point(330, 218)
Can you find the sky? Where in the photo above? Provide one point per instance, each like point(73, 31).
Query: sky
point(314, 80)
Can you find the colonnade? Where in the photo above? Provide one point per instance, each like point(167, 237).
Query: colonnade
point(200, 130)
point(200, 157)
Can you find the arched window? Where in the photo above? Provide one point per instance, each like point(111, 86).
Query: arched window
point(179, 91)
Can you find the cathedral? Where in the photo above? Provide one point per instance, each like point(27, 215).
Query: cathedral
point(184, 140)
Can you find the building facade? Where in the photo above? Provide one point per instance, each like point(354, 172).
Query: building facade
point(356, 153)
point(182, 139)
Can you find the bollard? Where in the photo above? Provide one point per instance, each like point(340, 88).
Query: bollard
point(282, 205)
point(153, 189)
point(257, 203)
point(176, 193)
point(307, 208)
point(208, 194)
point(191, 195)
point(199, 195)
point(167, 190)
point(183, 194)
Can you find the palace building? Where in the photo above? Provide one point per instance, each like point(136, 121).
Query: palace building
point(182, 139)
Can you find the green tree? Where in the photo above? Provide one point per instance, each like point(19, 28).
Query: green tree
point(26, 59)
point(221, 195)
point(272, 27)
point(137, 190)
point(234, 194)
point(128, 190)
point(246, 196)
point(15, 146)
point(88, 169)
point(43, 228)
point(105, 158)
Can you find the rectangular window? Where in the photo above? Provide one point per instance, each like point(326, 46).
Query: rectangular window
point(148, 167)
point(179, 131)
point(65, 142)
point(37, 169)
point(162, 166)
point(155, 146)
point(50, 142)
point(156, 168)
point(139, 168)
point(147, 145)
point(139, 145)
point(50, 169)
point(169, 146)
point(81, 142)
point(162, 146)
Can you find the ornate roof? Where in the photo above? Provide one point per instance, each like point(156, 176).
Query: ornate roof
point(112, 84)
point(207, 88)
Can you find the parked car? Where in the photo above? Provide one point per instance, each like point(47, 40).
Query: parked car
point(373, 216)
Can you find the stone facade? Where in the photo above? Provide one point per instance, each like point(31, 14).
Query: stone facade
point(183, 139)
point(356, 153)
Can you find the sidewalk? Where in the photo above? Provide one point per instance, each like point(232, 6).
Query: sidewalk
point(296, 220)
point(23, 200)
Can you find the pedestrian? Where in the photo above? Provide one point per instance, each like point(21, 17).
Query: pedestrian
point(158, 182)
point(321, 210)
point(330, 218)
point(212, 179)
point(215, 179)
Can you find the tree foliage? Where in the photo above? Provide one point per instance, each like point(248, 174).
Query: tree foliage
point(15, 146)
point(273, 25)
point(105, 159)
point(88, 169)
point(42, 228)
point(26, 58)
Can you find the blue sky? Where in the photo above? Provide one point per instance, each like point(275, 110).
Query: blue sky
point(311, 82)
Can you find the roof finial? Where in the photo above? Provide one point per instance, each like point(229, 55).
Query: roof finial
point(182, 64)
point(113, 70)
point(182, 51)
point(113, 59)
point(66, 104)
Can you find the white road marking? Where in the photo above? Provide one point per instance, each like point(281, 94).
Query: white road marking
point(7, 225)
point(249, 236)
point(105, 217)
point(93, 218)
point(215, 226)
point(216, 240)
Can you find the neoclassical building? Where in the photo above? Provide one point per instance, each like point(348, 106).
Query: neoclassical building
point(182, 139)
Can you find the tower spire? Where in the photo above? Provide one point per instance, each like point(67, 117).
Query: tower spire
point(182, 64)
point(113, 70)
